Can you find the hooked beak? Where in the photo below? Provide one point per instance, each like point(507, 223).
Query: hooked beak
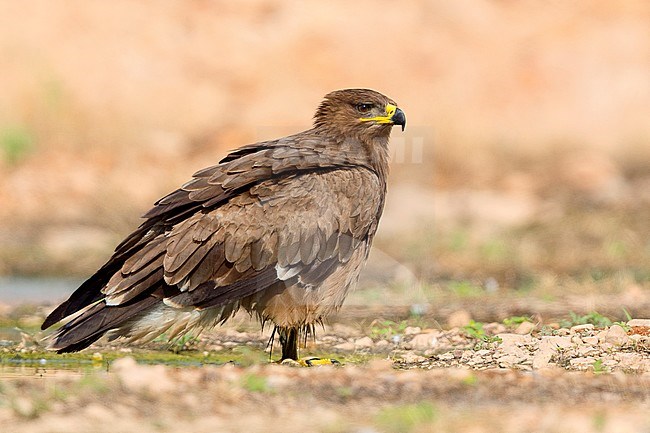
point(393, 115)
point(399, 118)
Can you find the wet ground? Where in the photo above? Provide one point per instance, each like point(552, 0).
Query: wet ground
point(583, 372)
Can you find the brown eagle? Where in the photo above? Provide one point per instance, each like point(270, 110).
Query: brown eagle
point(281, 228)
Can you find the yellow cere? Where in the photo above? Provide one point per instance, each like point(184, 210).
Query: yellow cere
point(390, 110)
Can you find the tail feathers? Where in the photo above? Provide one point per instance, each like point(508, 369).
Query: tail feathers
point(93, 323)
point(85, 295)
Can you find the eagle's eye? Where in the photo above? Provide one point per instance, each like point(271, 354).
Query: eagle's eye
point(364, 108)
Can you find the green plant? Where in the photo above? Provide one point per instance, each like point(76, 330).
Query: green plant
point(475, 330)
point(516, 320)
point(403, 419)
point(387, 328)
point(15, 143)
point(598, 367)
point(184, 342)
point(593, 318)
point(254, 383)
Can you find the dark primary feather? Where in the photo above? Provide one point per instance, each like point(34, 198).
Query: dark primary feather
point(271, 218)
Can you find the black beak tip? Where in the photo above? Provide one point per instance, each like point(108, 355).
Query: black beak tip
point(399, 119)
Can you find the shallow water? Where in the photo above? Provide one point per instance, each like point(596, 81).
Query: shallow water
point(28, 290)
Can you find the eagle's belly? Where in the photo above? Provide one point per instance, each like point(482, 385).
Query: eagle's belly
point(297, 305)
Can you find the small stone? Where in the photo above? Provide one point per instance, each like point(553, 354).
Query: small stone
point(458, 319)
point(508, 361)
point(447, 356)
point(424, 341)
point(525, 328)
point(382, 344)
point(411, 357)
point(555, 341)
point(582, 328)
point(586, 350)
point(548, 346)
point(345, 347)
point(364, 343)
point(639, 322)
point(582, 362)
point(616, 335)
point(494, 328)
point(590, 340)
point(514, 339)
point(412, 330)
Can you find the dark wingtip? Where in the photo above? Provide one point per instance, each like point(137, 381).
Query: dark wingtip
point(55, 316)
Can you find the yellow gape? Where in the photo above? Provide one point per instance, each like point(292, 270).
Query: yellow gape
point(390, 110)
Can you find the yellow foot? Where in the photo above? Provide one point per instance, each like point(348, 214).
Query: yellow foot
point(310, 362)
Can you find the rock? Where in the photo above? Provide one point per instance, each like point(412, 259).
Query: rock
point(412, 330)
point(582, 362)
point(382, 344)
point(363, 343)
point(447, 356)
point(514, 339)
point(548, 346)
point(508, 361)
point(345, 347)
point(616, 336)
point(525, 328)
point(555, 342)
point(458, 319)
point(412, 357)
point(494, 328)
point(424, 341)
point(639, 322)
point(631, 361)
point(590, 340)
point(582, 328)
point(510, 345)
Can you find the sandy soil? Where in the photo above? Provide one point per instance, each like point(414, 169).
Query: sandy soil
point(582, 374)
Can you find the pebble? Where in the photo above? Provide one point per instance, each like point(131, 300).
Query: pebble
point(345, 347)
point(615, 336)
point(363, 343)
point(412, 330)
point(582, 328)
point(458, 319)
point(447, 356)
point(525, 328)
point(639, 322)
point(548, 346)
point(424, 341)
point(514, 339)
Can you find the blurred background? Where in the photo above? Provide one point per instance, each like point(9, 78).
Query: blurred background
point(524, 170)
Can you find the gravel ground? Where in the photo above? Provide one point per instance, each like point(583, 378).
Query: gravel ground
point(479, 377)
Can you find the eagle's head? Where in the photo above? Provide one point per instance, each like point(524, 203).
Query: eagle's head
point(359, 112)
